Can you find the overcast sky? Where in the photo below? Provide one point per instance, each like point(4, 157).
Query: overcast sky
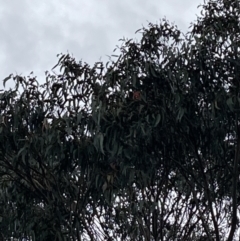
point(34, 32)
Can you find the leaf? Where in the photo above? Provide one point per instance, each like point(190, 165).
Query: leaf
point(6, 79)
point(157, 120)
point(104, 186)
point(100, 137)
point(22, 150)
point(181, 112)
point(115, 149)
point(216, 105)
point(230, 103)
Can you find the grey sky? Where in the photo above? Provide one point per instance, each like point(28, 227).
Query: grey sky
point(34, 32)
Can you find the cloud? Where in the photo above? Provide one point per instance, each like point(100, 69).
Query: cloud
point(34, 32)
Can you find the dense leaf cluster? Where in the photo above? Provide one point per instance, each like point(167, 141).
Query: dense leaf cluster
point(144, 148)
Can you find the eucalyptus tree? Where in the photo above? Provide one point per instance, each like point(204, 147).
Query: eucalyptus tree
point(145, 147)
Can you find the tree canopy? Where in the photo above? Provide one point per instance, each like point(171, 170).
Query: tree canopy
point(145, 147)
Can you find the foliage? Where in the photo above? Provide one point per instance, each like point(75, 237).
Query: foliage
point(144, 148)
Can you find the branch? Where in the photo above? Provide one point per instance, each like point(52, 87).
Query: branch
point(235, 179)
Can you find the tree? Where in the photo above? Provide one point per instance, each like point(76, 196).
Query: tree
point(144, 148)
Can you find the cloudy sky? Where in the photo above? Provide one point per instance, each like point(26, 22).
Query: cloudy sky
point(34, 32)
